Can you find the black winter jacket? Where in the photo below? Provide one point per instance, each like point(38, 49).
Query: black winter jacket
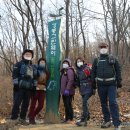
point(101, 68)
point(18, 74)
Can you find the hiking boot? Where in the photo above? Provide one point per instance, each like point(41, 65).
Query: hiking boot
point(88, 118)
point(106, 124)
point(83, 118)
point(63, 121)
point(13, 122)
point(32, 122)
point(70, 122)
point(118, 128)
point(81, 123)
point(23, 122)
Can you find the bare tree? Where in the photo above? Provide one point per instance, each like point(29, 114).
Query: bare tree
point(17, 33)
point(67, 3)
point(81, 26)
point(115, 16)
point(33, 19)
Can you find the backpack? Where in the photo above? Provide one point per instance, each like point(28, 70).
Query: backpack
point(26, 71)
point(87, 71)
point(27, 75)
point(75, 78)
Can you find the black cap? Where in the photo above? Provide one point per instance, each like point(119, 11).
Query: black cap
point(28, 50)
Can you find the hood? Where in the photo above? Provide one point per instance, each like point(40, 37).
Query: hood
point(67, 60)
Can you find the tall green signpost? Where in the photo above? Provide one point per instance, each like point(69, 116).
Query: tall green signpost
point(53, 56)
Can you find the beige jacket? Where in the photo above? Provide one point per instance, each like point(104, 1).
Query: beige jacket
point(42, 82)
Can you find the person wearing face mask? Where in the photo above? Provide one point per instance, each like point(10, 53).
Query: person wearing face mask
point(106, 74)
point(39, 97)
point(24, 81)
point(85, 88)
point(67, 89)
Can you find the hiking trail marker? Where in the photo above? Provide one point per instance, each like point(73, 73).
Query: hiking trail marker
point(53, 57)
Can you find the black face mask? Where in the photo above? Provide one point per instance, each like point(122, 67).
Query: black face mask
point(42, 65)
point(29, 59)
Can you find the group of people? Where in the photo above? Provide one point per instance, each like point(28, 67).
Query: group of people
point(29, 81)
point(105, 75)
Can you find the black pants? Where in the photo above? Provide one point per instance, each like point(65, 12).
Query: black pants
point(108, 93)
point(85, 114)
point(20, 98)
point(68, 107)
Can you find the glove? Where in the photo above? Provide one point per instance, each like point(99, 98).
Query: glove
point(66, 92)
point(119, 84)
point(94, 92)
point(94, 85)
point(16, 84)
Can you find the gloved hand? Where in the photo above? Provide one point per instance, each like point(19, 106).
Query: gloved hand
point(119, 84)
point(94, 85)
point(66, 92)
point(94, 91)
point(15, 82)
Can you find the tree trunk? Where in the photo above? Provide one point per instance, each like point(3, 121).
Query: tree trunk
point(82, 31)
point(42, 28)
point(67, 28)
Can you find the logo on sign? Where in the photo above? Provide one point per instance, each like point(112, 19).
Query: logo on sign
point(51, 85)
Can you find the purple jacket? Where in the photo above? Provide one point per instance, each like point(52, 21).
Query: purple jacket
point(67, 81)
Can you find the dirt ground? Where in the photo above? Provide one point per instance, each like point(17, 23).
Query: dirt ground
point(65, 127)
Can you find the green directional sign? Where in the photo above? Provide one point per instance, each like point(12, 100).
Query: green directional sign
point(53, 56)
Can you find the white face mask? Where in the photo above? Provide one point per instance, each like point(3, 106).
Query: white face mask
point(104, 51)
point(79, 64)
point(27, 58)
point(65, 66)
